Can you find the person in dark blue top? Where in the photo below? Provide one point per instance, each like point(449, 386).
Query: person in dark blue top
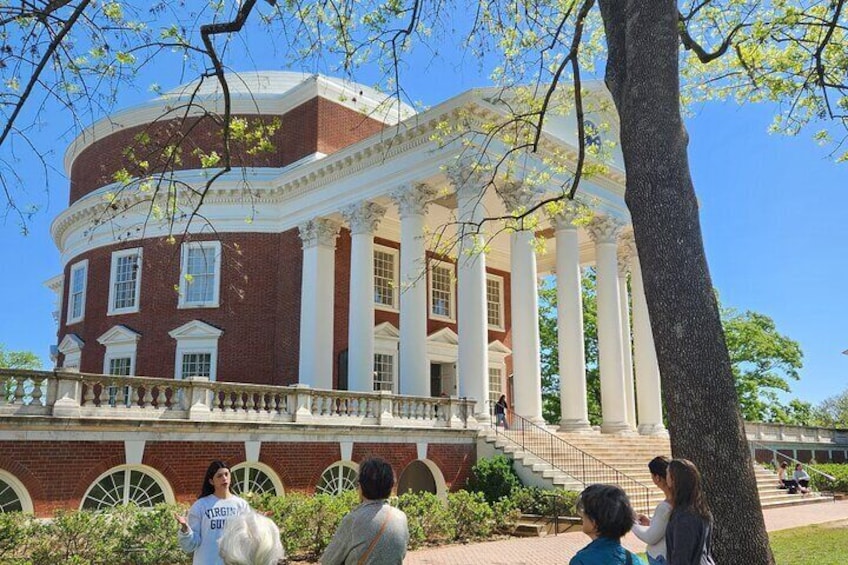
point(607, 517)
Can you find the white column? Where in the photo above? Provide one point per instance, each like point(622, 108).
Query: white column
point(604, 231)
point(473, 365)
point(648, 391)
point(363, 219)
point(524, 294)
point(414, 367)
point(627, 347)
point(572, 355)
point(315, 366)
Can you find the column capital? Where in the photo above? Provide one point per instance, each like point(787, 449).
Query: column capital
point(626, 252)
point(413, 198)
point(604, 229)
point(319, 232)
point(467, 176)
point(363, 217)
point(566, 214)
point(518, 195)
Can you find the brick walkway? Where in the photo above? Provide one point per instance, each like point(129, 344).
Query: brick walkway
point(557, 550)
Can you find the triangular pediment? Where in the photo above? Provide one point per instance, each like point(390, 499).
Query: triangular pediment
point(196, 329)
point(497, 346)
point(71, 343)
point(386, 331)
point(118, 334)
point(444, 336)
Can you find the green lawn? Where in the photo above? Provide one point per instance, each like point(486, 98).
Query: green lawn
point(812, 545)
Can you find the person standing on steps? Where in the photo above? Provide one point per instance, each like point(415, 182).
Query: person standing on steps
point(500, 412)
point(652, 530)
point(200, 531)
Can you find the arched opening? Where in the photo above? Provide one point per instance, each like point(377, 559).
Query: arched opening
point(422, 475)
point(13, 494)
point(255, 478)
point(125, 484)
point(338, 478)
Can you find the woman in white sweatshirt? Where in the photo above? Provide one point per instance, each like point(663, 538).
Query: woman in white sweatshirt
point(200, 531)
point(652, 530)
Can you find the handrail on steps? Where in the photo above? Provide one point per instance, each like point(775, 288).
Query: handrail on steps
point(776, 456)
point(569, 459)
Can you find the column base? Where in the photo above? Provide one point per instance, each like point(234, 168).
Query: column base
point(575, 426)
point(656, 430)
point(617, 428)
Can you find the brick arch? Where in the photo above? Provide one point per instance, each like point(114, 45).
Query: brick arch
point(91, 475)
point(23, 474)
point(296, 463)
point(168, 471)
point(455, 462)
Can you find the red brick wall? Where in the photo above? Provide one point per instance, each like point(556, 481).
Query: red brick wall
point(259, 308)
point(58, 474)
point(316, 125)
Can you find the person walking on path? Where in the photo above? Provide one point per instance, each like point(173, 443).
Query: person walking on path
point(200, 530)
point(652, 530)
point(688, 536)
point(607, 517)
point(373, 533)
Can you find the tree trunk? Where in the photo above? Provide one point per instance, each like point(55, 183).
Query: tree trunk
point(698, 387)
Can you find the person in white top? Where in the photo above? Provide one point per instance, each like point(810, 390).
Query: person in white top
point(652, 530)
point(803, 479)
point(200, 530)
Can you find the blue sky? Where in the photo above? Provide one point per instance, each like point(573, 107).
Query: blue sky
point(773, 215)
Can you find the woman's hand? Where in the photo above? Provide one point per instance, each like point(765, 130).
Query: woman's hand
point(643, 520)
point(181, 520)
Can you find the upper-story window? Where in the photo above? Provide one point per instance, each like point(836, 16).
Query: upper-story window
point(76, 292)
point(385, 277)
point(494, 301)
point(442, 295)
point(200, 275)
point(125, 281)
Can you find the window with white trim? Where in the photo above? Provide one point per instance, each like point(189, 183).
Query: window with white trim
point(125, 281)
point(196, 365)
point(255, 478)
point(385, 277)
point(494, 301)
point(197, 350)
point(384, 372)
point(495, 384)
point(122, 367)
point(442, 295)
point(13, 494)
point(76, 292)
point(338, 478)
point(200, 274)
point(124, 485)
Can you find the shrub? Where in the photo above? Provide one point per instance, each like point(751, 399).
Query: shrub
point(17, 532)
point(428, 518)
point(474, 517)
point(534, 500)
point(494, 478)
point(506, 515)
point(837, 470)
point(82, 538)
point(151, 538)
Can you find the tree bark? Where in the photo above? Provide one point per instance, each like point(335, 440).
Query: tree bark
point(698, 387)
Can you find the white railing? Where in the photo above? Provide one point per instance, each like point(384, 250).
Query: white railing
point(762, 432)
point(79, 395)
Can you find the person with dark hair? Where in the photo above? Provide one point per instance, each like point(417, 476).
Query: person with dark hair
point(801, 477)
point(500, 412)
point(200, 530)
point(607, 517)
point(786, 483)
point(373, 533)
point(652, 530)
point(688, 536)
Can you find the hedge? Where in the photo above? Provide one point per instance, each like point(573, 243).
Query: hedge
point(837, 470)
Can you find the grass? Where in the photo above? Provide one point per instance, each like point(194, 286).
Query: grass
point(823, 544)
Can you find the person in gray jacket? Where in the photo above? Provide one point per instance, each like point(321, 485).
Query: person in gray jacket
point(373, 533)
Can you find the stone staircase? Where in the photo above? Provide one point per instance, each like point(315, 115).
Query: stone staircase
point(626, 455)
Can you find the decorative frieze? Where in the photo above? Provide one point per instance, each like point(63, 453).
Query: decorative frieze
point(412, 199)
point(363, 217)
point(320, 231)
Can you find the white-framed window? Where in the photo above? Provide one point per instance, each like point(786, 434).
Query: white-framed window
point(71, 349)
point(125, 484)
point(255, 478)
point(495, 301)
point(384, 372)
point(338, 478)
point(76, 292)
point(386, 276)
point(442, 291)
point(121, 344)
point(197, 350)
point(200, 274)
point(496, 387)
point(13, 494)
point(125, 282)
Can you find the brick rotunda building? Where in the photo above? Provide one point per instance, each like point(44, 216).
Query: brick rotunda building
point(330, 299)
